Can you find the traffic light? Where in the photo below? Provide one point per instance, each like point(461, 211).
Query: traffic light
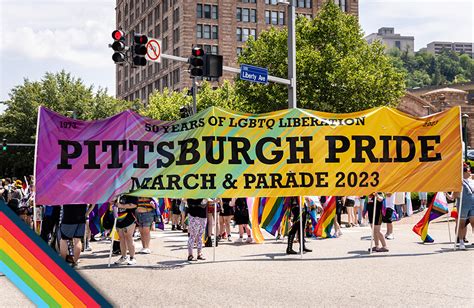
point(4, 145)
point(139, 49)
point(213, 66)
point(118, 46)
point(196, 61)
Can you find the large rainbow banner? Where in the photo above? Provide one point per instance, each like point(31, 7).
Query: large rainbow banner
point(221, 153)
point(38, 271)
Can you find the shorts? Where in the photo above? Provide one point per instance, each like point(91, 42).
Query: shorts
point(182, 208)
point(423, 196)
point(146, 219)
point(388, 216)
point(378, 214)
point(68, 232)
point(349, 203)
point(175, 210)
point(466, 212)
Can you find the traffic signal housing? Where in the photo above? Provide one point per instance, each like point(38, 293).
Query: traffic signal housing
point(139, 49)
point(197, 62)
point(4, 144)
point(118, 46)
point(213, 65)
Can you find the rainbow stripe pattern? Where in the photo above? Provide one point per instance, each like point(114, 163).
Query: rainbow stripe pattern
point(438, 207)
point(273, 209)
point(324, 226)
point(38, 271)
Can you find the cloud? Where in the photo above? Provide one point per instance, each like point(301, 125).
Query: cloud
point(77, 33)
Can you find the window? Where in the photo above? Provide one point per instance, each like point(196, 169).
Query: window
point(267, 17)
point(165, 6)
point(274, 18)
point(165, 24)
point(215, 32)
point(214, 12)
point(165, 43)
point(176, 35)
point(150, 19)
point(176, 16)
point(245, 15)
point(150, 71)
point(199, 31)
point(397, 44)
point(253, 15)
point(164, 82)
point(206, 32)
point(239, 14)
point(157, 31)
point(272, 2)
point(199, 11)
point(239, 34)
point(307, 3)
point(207, 11)
point(239, 51)
point(281, 18)
point(176, 51)
point(248, 1)
point(244, 33)
point(176, 77)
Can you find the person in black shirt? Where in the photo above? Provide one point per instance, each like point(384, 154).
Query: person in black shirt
point(224, 218)
point(197, 211)
point(295, 228)
point(126, 206)
point(73, 226)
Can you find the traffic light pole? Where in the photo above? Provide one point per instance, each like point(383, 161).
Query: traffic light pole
point(194, 95)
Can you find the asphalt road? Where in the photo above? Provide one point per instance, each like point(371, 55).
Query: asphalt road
point(339, 272)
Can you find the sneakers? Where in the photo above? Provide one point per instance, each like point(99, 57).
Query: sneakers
point(145, 251)
point(229, 239)
point(249, 240)
point(173, 227)
point(461, 245)
point(122, 260)
point(239, 240)
point(200, 257)
point(389, 236)
point(88, 248)
point(132, 261)
point(381, 249)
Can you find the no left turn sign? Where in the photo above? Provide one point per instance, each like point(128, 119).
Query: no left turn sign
point(153, 50)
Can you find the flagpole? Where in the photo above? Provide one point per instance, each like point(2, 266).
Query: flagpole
point(373, 223)
point(301, 226)
point(214, 243)
point(112, 235)
point(34, 167)
point(458, 219)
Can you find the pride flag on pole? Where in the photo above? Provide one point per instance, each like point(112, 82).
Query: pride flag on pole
point(325, 222)
point(273, 210)
point(438, 207)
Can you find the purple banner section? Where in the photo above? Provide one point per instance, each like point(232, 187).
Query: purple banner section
point(68, 150)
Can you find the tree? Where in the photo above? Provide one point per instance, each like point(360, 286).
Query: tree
point(166, 105)
point(57, 91)
point(337, 71)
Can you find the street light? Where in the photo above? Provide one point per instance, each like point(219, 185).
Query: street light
point(291, 52)
point(465, 119)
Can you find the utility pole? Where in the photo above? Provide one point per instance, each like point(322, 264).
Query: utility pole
point(291, 55)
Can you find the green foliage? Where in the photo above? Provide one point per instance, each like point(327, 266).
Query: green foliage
point(337, 71)
point(425, 69)
point(59, 92)
point(166, 105)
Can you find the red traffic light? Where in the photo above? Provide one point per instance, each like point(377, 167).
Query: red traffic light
point(198, 52)
point(118, 35)
point(140, 39)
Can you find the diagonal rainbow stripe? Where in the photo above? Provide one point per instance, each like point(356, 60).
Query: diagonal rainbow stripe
point(38, 271)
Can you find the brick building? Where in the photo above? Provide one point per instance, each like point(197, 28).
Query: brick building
point(219, 26)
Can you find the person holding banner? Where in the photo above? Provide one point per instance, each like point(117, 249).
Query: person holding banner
point(466, 210)
point(73, 228)
point(374, 203)
point(197, 213)
point(295, 227)
point(126, 227)
point(145, 214)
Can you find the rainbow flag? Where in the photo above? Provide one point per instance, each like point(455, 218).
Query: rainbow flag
point(94, 220)
point(272, 212)
point(286, 222)
point(324, 225)
point(438, 207)
point(253, 207)
point(37, 270)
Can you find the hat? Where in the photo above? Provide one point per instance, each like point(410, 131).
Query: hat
point(19, 183)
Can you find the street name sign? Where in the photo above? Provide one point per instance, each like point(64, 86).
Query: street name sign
point(253, 73)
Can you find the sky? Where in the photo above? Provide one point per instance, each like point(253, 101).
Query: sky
point(39, 36)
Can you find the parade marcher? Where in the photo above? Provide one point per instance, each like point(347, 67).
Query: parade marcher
point(241, 218)
point(211, 220)
point(197, 213)
point(73, 227)
point(400, 205)
point(184, 212)
point(466, 211)
point(374, 203)
point(387, 217)
point(145, 213)
point(423, 196)
point(349, 204)
point(50, 223)
point(125, 226)
point(295, 228)
point(225, 217)
point(175, 214)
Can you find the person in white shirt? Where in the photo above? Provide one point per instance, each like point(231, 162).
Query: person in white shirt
point(387, 218)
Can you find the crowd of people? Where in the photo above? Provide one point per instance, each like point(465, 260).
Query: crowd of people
point(67, 228)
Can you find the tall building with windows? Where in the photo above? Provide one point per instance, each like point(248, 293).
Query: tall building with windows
point(390, 39)
point(218, 26)
point(459, 47)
